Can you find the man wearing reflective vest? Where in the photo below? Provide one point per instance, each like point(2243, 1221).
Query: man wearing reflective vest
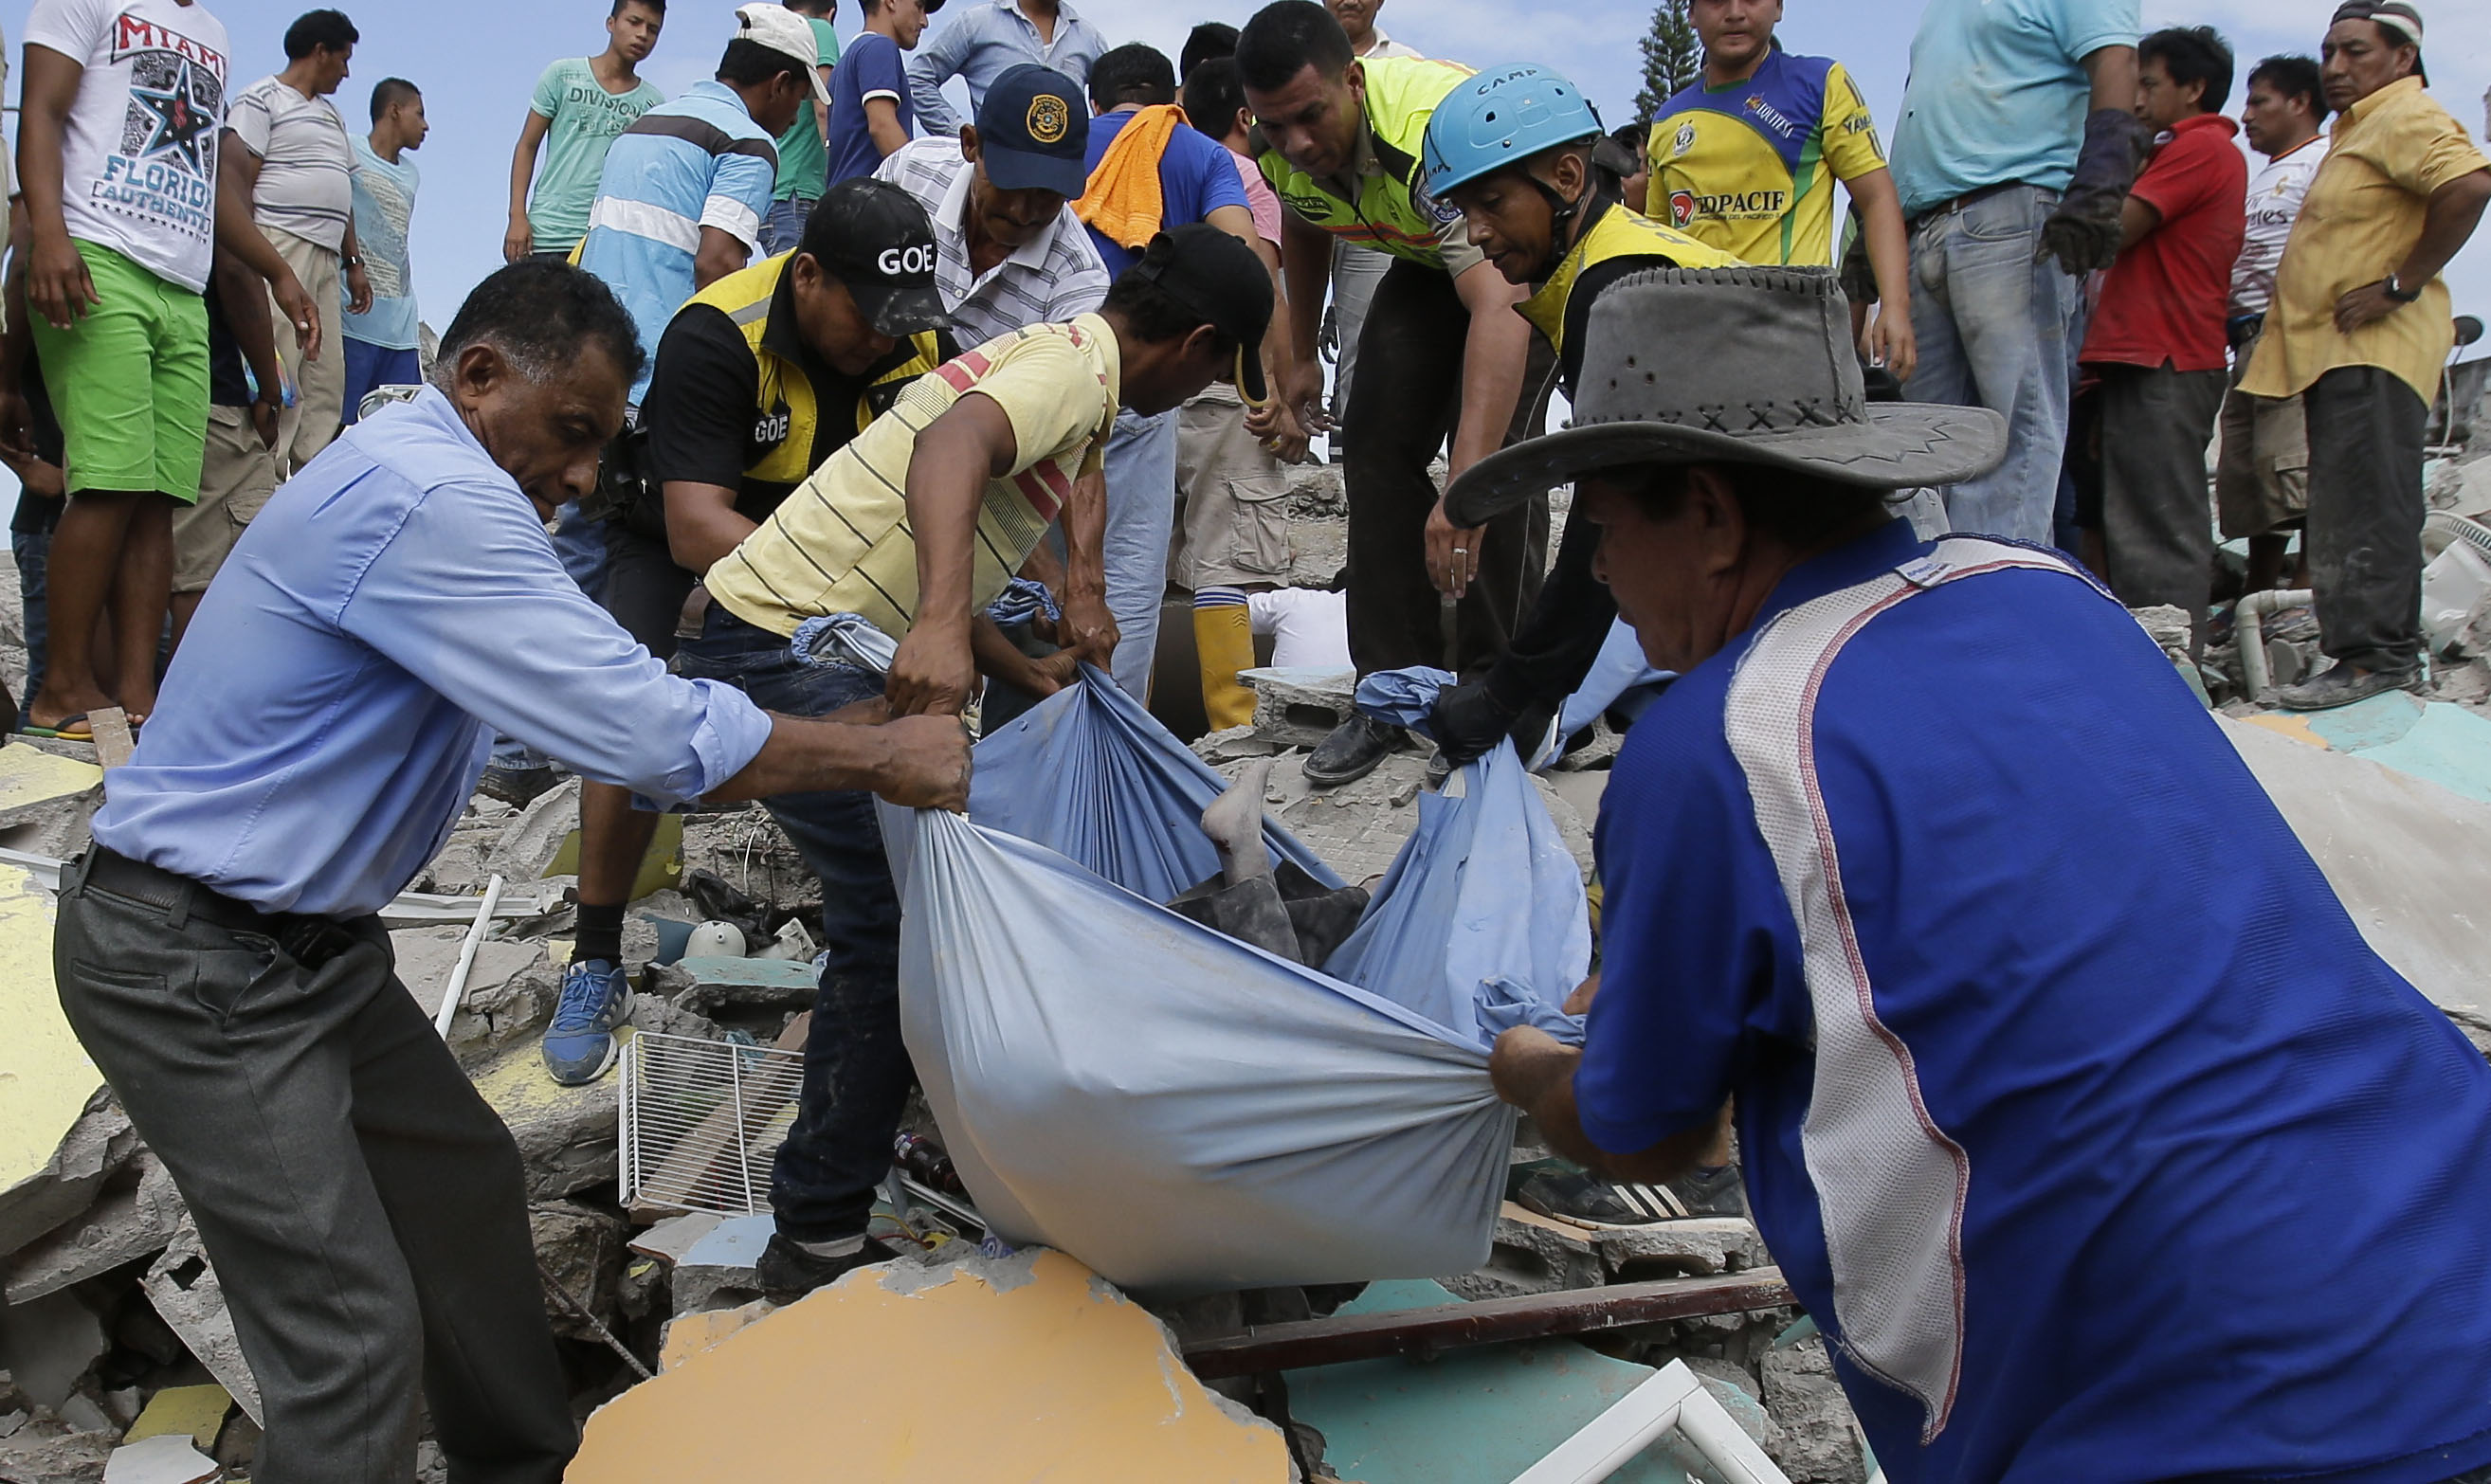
point(1512, 150)
point(762, 376)
point(1439, 355)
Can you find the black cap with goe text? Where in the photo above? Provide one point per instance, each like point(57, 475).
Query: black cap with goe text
point(875, 239)
point(1218, 277)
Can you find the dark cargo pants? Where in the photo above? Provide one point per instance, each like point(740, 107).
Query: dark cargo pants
point(1402, 406)
point(2365, 513)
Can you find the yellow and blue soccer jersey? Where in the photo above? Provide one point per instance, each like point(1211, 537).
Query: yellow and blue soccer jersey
point(1749, 168)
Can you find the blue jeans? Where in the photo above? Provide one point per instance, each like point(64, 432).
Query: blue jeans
point(370, 367)
point(784, 226)
point(1994, 328)
point(33, 551)
point(857, 1071)
point(1141, 515)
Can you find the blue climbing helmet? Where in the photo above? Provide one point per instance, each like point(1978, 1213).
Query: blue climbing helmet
point(1502, 117)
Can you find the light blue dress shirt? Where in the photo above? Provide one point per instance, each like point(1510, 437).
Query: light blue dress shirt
point(1997, 93)
point(333, 703)
point(983, 42)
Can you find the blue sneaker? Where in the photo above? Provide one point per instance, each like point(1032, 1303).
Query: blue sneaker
point(580, 1044)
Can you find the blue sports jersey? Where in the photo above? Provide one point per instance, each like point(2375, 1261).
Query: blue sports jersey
point(873, 69)
point(1197, 175)
point(2071, 1102)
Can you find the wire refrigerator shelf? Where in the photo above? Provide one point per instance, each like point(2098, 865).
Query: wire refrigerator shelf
point(701, 1120)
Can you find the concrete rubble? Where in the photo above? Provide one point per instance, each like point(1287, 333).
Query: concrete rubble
point(118, 1360)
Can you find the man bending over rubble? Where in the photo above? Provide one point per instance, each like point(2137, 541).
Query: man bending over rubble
point(914, 528)
point(2073, 1106)
point(218, 953)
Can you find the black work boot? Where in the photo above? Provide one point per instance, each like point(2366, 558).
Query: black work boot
point(787, 1271)
point(1350, 753)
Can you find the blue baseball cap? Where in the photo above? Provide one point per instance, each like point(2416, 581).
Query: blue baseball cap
point(1034, 131)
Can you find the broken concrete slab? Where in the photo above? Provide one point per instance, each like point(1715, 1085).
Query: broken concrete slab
point(708, 984)
point(196, 1413)
point(669, 1240)
point(2434, 741)
point(510, 988)
point(44, 1451)
point(1820, 1436)
point(1061, 1375)
point(137, 1214)
point(47, 1345)
point(1300, 707)
point(96, 1145)
point(59, 1136)
point(2410, 860)
point(183, 1289)
point(717, 1270)
point(689, 1334)
point(170, 1458)
point(566, 1135)
point(530, 839)
point(46, 800)
point(582, 1250)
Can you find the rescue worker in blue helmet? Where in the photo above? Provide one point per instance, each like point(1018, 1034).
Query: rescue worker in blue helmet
point(1513, 148)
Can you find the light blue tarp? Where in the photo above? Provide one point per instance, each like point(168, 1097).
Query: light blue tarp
point(1176, 1109)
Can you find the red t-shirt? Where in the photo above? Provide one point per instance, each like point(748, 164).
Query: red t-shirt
point(2164, 299)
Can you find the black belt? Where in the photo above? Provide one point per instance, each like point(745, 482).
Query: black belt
point(309, 940)
point(1958, 203)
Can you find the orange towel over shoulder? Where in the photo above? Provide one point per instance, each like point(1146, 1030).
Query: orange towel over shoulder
point(1122, 199)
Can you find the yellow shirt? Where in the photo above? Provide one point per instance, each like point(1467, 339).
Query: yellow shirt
point(1749, 168)
point(840, 543)
point(2363, 213)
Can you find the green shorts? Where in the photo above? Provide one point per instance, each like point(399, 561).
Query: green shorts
point(129, 381)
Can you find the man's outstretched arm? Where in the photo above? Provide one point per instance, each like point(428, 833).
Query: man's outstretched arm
point(956, 454)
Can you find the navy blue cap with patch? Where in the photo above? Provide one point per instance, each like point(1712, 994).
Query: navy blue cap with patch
point(1034, 131)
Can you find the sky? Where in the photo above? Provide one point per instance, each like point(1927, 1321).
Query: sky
point(476, 61)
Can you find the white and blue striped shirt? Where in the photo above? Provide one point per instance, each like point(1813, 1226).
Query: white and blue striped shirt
point(697, 162)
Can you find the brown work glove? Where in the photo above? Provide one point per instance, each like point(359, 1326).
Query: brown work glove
point(2083, 233)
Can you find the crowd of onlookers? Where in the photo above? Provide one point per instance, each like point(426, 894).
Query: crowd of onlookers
point(207, 280)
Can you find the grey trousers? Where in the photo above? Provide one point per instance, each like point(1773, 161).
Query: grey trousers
point(2365, 514)
point(2157, 516)
point(363, 1207)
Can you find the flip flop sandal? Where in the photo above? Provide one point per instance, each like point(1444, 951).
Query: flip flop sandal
point(71, 728)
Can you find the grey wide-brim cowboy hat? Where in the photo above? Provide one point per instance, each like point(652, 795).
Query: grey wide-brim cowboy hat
point(1749, 365)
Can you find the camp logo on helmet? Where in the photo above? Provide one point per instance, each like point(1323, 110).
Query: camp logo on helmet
point(1049, 116)
point(1685, 139)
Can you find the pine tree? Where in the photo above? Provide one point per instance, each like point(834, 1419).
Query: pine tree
point(1672, 57)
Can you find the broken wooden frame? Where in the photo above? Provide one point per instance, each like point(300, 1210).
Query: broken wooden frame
point(1673, 1400)
point(1420, 1333)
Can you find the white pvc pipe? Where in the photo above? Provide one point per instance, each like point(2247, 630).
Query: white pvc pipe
point(2250, 640)
point(458, 985)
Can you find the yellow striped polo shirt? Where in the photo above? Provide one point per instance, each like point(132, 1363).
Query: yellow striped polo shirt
point(842, 543)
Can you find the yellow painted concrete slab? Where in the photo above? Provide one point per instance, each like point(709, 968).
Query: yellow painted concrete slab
point(30, 775)
point(1003, 1370)
point(197, 1413)
point(689, 1334)
point(46, 1078)
point(2290, 724)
